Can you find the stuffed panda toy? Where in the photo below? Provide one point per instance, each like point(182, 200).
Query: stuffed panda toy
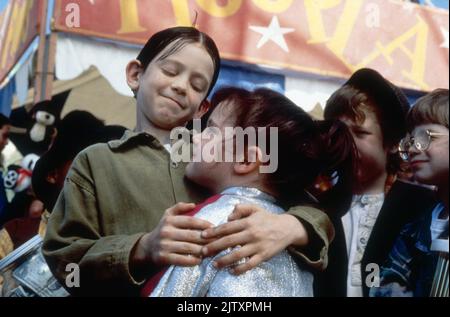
point(45, 118)
point(37, 124)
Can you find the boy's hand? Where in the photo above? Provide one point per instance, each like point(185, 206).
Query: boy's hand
point(175, 241)
point(260, 235)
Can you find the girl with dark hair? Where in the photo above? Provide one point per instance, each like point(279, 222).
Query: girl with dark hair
point(306, 149)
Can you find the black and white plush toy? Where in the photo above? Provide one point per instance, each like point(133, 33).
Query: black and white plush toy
point(37, 125)
point(43, 120)
point(45, 117)
point(18, 177)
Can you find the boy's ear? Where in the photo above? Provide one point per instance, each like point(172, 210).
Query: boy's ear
point(251, 163)
point(202, 109)
point(134, 71)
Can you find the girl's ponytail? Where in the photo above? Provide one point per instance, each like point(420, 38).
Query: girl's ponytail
point(333, 188)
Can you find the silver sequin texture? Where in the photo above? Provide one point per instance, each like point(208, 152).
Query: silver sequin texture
point(280, 276)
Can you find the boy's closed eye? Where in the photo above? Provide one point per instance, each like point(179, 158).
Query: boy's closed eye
point(199, 85)
point(169, 71)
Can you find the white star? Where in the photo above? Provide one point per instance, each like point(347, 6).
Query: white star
point(273, 33)
point(445, 35)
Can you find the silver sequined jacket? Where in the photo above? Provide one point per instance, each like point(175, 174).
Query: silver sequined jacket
point(280, 276)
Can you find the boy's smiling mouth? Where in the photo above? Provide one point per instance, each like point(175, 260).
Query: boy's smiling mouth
point(174, 100)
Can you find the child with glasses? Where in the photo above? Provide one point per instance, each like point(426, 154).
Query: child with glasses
point(410, 268)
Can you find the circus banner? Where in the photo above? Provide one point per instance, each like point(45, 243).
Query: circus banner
point(407, 42)
point(18, 27)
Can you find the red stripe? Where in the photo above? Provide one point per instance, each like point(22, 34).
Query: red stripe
point(151, 284)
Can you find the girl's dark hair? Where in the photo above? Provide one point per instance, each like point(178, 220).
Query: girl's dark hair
point(180, 36)
point(307, 149)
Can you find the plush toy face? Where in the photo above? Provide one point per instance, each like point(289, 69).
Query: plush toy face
point(10, 180)
point(18, 178)
point(29, 161)
point(45, 118)
point(40, 128)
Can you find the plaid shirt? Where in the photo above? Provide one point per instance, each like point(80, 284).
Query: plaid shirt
point(409, 270)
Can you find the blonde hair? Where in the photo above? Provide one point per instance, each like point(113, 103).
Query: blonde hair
point(431, 108)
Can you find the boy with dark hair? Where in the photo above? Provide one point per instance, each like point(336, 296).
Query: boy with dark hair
point(375, 111)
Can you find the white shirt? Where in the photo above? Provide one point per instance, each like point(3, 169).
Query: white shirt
point(358, 223)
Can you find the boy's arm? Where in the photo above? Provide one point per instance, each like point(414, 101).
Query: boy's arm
point(74, 237)
point(113, 264)
point(320, 233)
point(262, 235)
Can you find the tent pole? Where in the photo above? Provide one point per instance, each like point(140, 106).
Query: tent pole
point(45, 60)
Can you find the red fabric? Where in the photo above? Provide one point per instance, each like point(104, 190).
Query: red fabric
point(23, 174)
point(22, 229)
point(151, 284)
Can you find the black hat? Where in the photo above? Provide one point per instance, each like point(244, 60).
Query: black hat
point(77, 131)
point(389, 98)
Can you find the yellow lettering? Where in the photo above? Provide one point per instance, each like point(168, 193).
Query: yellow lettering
point(314, 10)
point(129, 17)
point(181, 11)
point(15, 36)
point(218, 11)
point(345, 27)
point(274, 6)
point(417, 56)
point(339, 40)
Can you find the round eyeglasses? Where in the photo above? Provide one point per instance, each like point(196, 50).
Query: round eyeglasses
point(421, 140)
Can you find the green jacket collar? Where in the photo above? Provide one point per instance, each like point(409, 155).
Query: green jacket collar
point(131, 138)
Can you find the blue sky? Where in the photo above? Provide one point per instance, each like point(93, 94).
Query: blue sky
point(438, 3)
point(3, 4)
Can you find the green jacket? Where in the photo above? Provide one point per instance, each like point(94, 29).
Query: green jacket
point(114, 194)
